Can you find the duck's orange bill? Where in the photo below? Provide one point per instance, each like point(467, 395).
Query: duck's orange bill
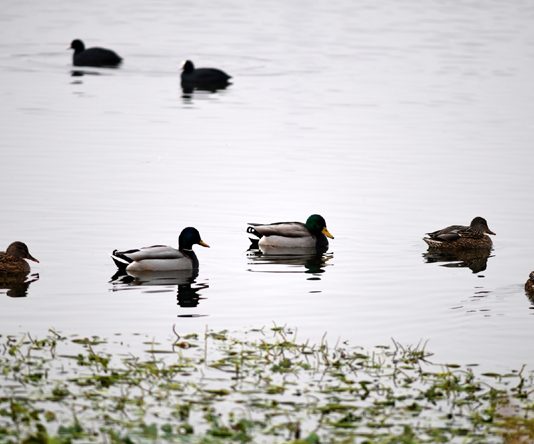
point(327, 233)
point(204, 244)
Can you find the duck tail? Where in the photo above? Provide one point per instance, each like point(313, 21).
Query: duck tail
point(254, 241)
point(432, 243)
point(253, 231)
point(121, 260)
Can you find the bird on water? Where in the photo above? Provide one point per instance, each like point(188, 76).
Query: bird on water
point(162, 257)
point(95, 57)
point(12, 261)
point(461, 237)
point(206, 79)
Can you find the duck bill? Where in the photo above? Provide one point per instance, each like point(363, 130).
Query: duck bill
point(488, 231)
point(204, 244)
point(31, 258)
point(327, 233)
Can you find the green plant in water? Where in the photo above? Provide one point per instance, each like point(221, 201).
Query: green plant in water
point(258, 385)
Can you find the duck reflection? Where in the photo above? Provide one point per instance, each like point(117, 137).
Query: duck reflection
point(475, 260)
point(313, 262)
point(188, 290)
point(17, 285)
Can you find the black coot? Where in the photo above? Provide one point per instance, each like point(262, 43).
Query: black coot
point(207, 79)
point(98, 57)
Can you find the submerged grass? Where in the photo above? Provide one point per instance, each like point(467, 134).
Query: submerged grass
point(258, 386)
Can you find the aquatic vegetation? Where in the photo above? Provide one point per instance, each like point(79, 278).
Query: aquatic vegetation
point(256, 386)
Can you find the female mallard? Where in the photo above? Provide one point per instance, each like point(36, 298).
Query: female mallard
point(12, 261)
point(97, 57)
point(460, 237)
point(162, 257)
point(529, 285)
point(207, 79)
point(289, 237)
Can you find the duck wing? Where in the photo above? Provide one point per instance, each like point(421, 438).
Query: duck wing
point(11, 264)
point(451, 233)
point(123, 258)
point(155, 252)
point(284, 229)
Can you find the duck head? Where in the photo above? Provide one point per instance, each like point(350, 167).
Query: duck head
point(20, 249)
point(480, 226)
point(316, 224)
point(188, 237)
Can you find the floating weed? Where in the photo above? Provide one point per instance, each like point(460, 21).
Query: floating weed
point(259, 386)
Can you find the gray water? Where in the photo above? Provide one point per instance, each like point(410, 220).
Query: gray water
point(391, 119)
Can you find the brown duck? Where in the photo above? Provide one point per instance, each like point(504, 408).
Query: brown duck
point(12, 260)
point(460, 237)
point(529, 285)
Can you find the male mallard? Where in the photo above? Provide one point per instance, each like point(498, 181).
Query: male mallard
point(207, 79)
point(12, 261)
point(460, 237)
point(98, 57)
point(162, 257)
point(292, 236)
point(529, 285)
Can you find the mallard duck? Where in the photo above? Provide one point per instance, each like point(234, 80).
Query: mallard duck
point(460, 237)
point(97, 57)
point(529, 285)
point(162, 257)
point(207, 79)
point(289, 237)
point(12, 260)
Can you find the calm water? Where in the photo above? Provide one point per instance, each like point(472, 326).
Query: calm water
point(390, 119)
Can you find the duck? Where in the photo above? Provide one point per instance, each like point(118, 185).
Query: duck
point(292, 237)
point(96, 57)
point(460, 237)
point(161, 257)
point(12, 261)
point(529, 285)
point(207, 79)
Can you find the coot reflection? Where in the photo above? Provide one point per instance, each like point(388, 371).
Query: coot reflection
point(475, 260)
point(83, 72)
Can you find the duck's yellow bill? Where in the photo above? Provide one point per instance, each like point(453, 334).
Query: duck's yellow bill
point(327, 233)
point(204, 244)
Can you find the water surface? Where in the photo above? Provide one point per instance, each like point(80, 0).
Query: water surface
point(389, 119)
